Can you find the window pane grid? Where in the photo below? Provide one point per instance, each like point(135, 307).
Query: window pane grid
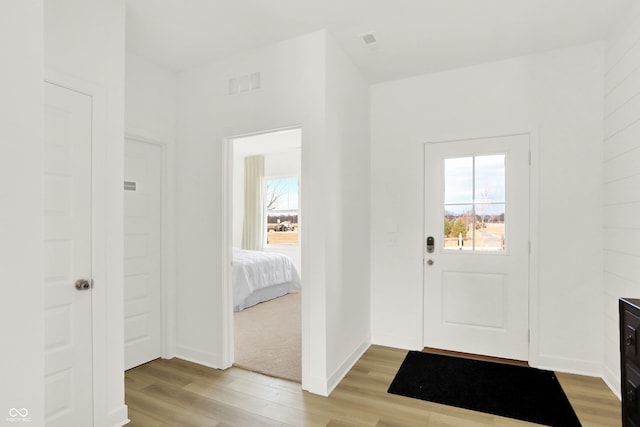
point(281, 203)
point(474, 208)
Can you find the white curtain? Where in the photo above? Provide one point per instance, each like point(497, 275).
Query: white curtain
point(253, 229)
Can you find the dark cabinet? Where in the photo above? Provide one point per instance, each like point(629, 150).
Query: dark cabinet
point(630, 360)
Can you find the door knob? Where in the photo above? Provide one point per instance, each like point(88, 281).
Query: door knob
point(83, 284)
point(430, 262)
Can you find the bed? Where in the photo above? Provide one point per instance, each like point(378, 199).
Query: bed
point(261, 276)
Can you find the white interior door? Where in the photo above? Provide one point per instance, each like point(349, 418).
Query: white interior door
point(142, 252)
point(67, 258)
point(476, 278)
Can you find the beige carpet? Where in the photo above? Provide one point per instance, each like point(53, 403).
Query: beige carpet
point(268, 338)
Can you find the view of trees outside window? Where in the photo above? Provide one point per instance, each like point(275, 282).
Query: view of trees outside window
point(474, 203)
point(282, 210)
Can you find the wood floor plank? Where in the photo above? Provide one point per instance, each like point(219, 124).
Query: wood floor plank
point(279, 407)
point(171, 414)
point(140, 419)
point(591, 399)
point(177, 393)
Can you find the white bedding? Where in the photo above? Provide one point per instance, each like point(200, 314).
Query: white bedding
point(259, 276)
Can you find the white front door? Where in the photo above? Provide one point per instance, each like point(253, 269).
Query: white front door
point(67, 258)
point(142, 252)
point(476, 274)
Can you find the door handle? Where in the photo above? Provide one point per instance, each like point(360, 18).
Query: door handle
point(429, 262)
point(83, 284)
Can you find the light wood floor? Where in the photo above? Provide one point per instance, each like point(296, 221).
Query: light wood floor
point(182, 394)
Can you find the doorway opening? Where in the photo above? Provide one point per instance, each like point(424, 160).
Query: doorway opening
point(266, 252)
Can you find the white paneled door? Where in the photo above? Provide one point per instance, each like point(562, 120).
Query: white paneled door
point(476, 246)
point(142, 252)
point(67, 258)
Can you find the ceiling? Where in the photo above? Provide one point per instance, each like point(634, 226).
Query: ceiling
point(413, 36)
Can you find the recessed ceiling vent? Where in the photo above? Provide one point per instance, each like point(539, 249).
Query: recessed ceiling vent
point(244, 84)
point(369, 38)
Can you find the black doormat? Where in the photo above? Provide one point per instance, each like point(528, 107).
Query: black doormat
point(518, 392)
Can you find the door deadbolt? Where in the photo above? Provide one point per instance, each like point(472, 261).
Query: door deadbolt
point(82, 284)
point(430, 244)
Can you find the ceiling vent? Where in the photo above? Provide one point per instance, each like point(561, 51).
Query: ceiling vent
point(369, 38)
point(244, 84)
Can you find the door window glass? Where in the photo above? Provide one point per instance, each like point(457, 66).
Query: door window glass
point(474, 203)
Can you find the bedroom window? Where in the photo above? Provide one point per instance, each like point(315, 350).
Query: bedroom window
point(282, 210)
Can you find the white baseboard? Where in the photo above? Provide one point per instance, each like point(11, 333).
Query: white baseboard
point(346, 366)
point(570, 366)
point(317, 386)
point(118, 417)
point(209, 360)
point(612, 380)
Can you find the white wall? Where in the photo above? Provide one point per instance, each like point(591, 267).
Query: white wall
point(304, 81)
point(84, 43)
point(283, 164)
point(21, 157)
point(151, 97)
point(557, 95)
point(292, 93)
point(621, 184)
point(346, 213)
